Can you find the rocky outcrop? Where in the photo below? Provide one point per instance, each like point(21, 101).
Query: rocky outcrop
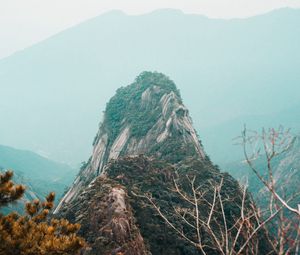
point(107, 220)
point(149, 118)
point(145, 142)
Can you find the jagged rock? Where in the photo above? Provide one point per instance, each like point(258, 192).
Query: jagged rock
point(145, 141)
point(147, 117)
point(107, 220)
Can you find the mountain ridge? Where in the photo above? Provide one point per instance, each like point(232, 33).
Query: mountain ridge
point(230, 66)
point(170, 11)
point(162, 10)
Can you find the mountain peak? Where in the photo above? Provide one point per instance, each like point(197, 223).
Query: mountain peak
point(140, 103)
point(145, 143)
point(147, 80)
point(147, 118)
point(147, 113)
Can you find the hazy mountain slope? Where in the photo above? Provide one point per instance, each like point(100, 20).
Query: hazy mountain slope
point(219, 140)
point(286, 170)
point(145, 141)
point(38, 174)
point(227, 68)
point(29, 195)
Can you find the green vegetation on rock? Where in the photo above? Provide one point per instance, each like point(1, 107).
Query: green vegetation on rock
point(125, 105)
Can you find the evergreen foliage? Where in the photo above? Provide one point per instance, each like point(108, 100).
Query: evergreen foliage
point(9, 192)
point(33, 233)
point(40, 175)
point(126, 104)
point(142, 175)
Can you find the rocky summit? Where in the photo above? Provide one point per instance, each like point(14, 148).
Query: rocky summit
point(146, 117)
point(145, 141)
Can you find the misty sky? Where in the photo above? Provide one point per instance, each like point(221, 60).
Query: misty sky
point(25, 22)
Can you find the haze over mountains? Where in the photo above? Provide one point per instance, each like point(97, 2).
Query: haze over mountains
point(52, 94)
point(40, 175)
point(150, 181)
point(223, 136)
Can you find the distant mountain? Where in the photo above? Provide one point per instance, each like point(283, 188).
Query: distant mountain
point(52, 93)
point(286, 169)
point(219, 139)
point(38, 174)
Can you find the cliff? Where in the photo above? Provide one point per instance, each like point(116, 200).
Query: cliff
point(145, 142)
point(147, 117)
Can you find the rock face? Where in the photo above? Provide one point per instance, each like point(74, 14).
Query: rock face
point(147, 117)
point(107, 220)
point(145, 142)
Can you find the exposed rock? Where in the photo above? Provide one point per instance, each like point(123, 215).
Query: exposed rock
point(145, 141)
point(156, 100)
point(107, 220)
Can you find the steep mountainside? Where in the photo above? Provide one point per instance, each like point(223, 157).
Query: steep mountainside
point(145, 142)
point(219, 140)
point(225, 68)
point(147, 117)
point(40, 175)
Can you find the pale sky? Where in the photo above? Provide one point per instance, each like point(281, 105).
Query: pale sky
point(25, 22)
